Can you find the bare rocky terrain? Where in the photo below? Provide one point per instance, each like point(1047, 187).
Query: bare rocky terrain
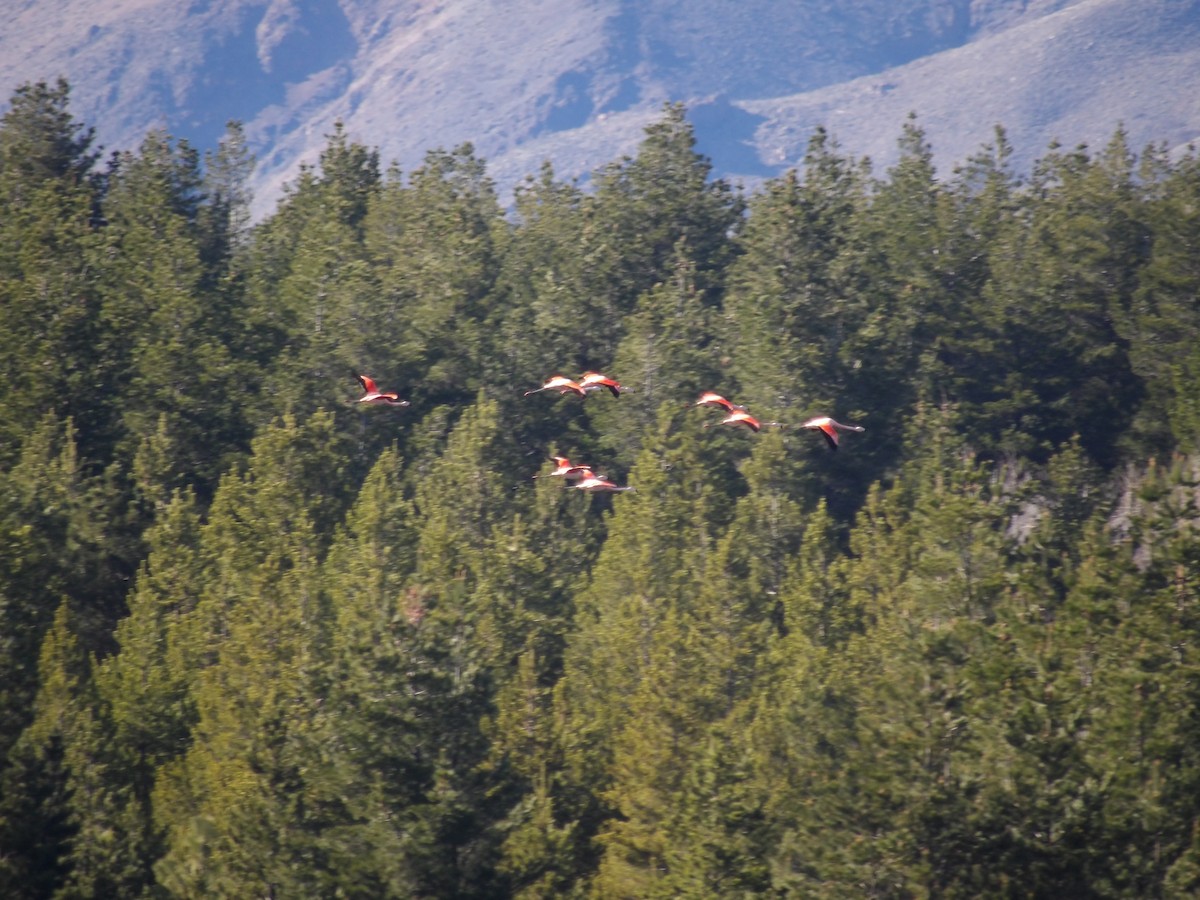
point(575, 82)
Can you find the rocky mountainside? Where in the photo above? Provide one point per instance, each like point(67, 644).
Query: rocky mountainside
point(576, 82)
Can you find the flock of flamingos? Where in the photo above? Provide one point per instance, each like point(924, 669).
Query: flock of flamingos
point(582, 477)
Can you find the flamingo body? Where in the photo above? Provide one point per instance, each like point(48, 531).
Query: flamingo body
point(561, 384)
point(595, 484)
point(715, 400)
point(372, 396)
point(564, 468)
point(741, 417)
point(829, 429)
point(594, 381)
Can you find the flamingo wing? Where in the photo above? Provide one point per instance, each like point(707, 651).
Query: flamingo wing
point(709, 398)
point(741, 417)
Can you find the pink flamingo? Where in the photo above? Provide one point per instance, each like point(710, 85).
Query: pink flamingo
point(376, 397)
point(594, 484)
point(561, 384)
point(709, 398)
point(829, 429)
point(594, 381)
point(566, 469)
point(739, 416)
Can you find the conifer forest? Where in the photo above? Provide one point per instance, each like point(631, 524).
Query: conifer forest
point(259, 639)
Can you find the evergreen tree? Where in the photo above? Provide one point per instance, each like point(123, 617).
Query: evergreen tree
point(794, 302)
point(236, 810)
point(535, 567)
point(555, 283)
point(647, 205)
point(371, 747)
point(144, 693)
point(165, 348)
point(35, 803)
point(57, 526)
point(1163, 314)
point(665, 358)
point(721, 833)
point(434, 243)
point(1138, 620)
point(48, 197)
point(636, 638)
point(1062, 291)
point(310, 279)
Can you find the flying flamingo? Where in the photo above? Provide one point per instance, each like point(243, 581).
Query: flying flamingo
point(594, 381)
point(598, 483)
point(739, 416)
point(709, 398)
point(561, 384)
point(375, 397)
point(829, 429)
point(565, 468)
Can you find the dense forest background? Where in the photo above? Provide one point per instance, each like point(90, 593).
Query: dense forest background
point(258, 641)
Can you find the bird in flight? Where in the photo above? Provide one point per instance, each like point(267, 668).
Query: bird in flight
point(594, 381)
point(829, 429)
point(709, 398)
point(561, 384)
point(375, 397)
point(566, 469)
point(739, 416)
point(595, 484)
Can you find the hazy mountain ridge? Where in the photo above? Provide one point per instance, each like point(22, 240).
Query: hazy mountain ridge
point(1071, 77)
point(577, 83)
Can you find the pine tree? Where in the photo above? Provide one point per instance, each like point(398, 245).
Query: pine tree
point(793, 302)
point(534, 567)
point(1163, 313)
point(226, 213)
point(560, 313)
point(48, 196)
point(648, 205)
point(665, 357)
point(236, 811)
point(1138, 618)
point(434, 243)
point(165, 334)
point(370, 748)
point(1062, 290)
point(416, 671)
point(722, 834)
point(144, 714)
point(715, 831)
point(35, 809)
point(60, 540)
point(636, 639)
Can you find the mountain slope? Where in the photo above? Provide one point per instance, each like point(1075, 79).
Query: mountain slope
point(1070, 77)
point(576, 83)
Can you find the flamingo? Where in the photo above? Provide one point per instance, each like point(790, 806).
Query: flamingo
point(561, 384)
point(565, 468)
point(829, 429)
point(375, 397)
point(594, 484)
point(594, 381)
point(739, 416)
point(709, 398)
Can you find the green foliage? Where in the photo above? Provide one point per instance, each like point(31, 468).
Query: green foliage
point(795, 299)
point(647, 206)
point(434, 243)
point(47, 296)
point(258, 640)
